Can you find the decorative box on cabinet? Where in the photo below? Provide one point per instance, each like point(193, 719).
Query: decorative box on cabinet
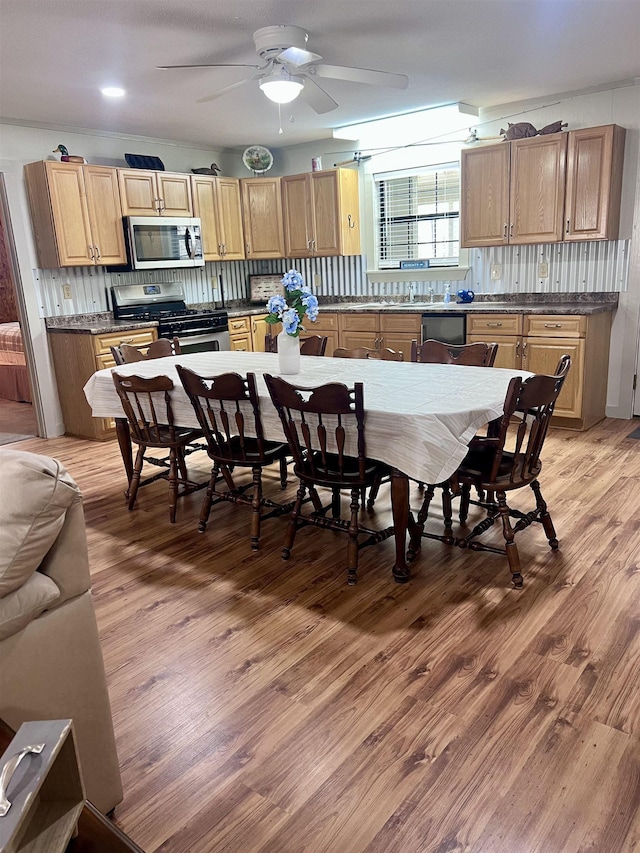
point(76, 214)
point(321, 213)
point(146, 193)
point(76, 357)
point(217, 202)
point(546, 189)
point(262, 217)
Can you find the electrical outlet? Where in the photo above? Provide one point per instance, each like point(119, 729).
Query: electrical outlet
point(496, 272)
point(543, 270)
point(66, 291)
point(317, 281)
point(214, 284)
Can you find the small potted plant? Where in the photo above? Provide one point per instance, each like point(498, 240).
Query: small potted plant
point(291, 309)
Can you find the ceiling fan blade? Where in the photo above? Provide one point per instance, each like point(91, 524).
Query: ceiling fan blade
point(214, 65)
point(360, 75)
point(316, 97)
point(298, 56)
point(223, 91)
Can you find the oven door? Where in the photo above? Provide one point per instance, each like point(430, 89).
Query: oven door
point(208, 342)
point(156, 242)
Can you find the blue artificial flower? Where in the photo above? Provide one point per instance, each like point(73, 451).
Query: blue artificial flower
point(310, 302)
point(276, 304)
point(290, 321)
point(292, 280)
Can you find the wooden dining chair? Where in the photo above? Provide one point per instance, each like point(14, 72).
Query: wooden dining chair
point(228, 411)
point(438, 352)
point(129, 354)
point(384, 354)
point(507, 461)
point(147, 406)
point(325, 429)
point(310, 345)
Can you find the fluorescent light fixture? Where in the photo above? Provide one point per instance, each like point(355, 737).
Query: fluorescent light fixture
point(409, 127)
point(113, 92)
point(281, 87)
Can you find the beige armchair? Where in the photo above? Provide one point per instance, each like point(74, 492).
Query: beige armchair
point(51, 664)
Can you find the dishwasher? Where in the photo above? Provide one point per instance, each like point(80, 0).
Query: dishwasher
point(448, 328)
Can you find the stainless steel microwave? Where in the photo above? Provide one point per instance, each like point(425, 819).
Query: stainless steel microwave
point(157, 242)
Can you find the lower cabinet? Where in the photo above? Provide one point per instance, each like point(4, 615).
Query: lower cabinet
point(246, 334)
point(535, 342)
point(326, 325)
point(380, 330)
point(76, 357)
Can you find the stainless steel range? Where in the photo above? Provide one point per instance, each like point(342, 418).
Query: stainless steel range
point(198, 330)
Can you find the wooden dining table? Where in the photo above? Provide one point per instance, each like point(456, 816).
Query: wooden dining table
point(419, 417)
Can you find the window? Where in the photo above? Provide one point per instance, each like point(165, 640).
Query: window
point(418, 216)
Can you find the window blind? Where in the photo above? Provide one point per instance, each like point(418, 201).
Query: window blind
point(418, 216)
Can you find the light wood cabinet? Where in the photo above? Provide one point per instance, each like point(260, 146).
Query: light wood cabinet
point(76, 214)
point(321, 212)
point(326, 325)
point(535, 342)
point(262, 217)
point(594, 183)
point(545, 189)
point(380, 330)
point(217, 202)
point(246, 334)
point(147, 193)
point(76, 357)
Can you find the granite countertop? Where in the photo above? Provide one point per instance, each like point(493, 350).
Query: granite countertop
point(517, 303)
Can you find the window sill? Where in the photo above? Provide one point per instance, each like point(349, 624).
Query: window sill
point(431, 274)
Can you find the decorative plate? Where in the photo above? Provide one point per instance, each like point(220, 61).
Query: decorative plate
point(257, 158)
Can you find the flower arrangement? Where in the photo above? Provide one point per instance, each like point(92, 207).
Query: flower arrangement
point(291, 309)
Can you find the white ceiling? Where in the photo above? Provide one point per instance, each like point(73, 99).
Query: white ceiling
point(56, 54)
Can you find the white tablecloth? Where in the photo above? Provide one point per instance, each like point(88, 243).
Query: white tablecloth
point(420, 417)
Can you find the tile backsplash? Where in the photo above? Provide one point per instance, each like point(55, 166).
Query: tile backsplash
point(572, 268)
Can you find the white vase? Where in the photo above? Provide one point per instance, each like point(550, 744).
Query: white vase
point(288, 353)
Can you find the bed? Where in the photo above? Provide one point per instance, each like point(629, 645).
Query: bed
point(14, 378)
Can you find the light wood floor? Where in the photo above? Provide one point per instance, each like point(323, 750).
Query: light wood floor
point(266, 706)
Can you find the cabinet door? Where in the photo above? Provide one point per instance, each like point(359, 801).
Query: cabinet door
point(70, 214)
point(509, 349)
point(229, 210)
point(240, 343)
point(262, 217)
point(138, 192)
point(400, 342)
point(484, 195)
point(351, 340)
point(105, 214)
point(204, 206)
point(536, 201)
point(174, 192)
point(297, 216)
point(594, 183)
point(259, 329)
point(326, 213)
point(542, 355)
point(348, 211)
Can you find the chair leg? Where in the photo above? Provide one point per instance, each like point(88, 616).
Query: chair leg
point(373, 492)
point(173, 485)
point(416, 535)
point(256, 506)
point(283, 472)
point(135, 477)
point(335, 503)
point(292, 527)
point(352, 547)
point(182, 464)
point(447, 514)
point(465, 497)
point(207, 501)
point(545, 518)
point(509, 538)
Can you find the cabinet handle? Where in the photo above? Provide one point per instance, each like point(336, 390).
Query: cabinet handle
point(156, 204)
point(511, 230)
point(237, 325)
point(517, 347)
point(98, 255)
point(567, 226)
point(308, 245)
point(553, 325)
point(504, 236)
point(248, 248)
point(126, 340)
point(351, 222)
point(494, 325)
point(91, 255)
point(524, 349)
point(224, 248)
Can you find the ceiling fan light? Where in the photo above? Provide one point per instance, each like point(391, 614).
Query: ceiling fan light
point(282, 89)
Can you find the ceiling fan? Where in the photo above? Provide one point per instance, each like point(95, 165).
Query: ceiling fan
point(289, 70)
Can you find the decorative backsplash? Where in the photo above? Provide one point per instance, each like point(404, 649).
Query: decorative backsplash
point(595, 267)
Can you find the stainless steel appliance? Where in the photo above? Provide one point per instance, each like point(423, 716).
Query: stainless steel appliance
point(448, 328)
point(198, 330)
point(156, 242)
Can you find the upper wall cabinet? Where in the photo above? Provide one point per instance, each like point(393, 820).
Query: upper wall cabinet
point(321, 213)
point(217, 202)
point(76, 214)
point(562, 186)
point(262, 217)
point(146, 193)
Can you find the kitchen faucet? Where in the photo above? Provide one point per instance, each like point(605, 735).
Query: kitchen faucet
point(430, 295)
point(412, 291)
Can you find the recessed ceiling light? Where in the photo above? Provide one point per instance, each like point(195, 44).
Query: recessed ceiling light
point(113, 92)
